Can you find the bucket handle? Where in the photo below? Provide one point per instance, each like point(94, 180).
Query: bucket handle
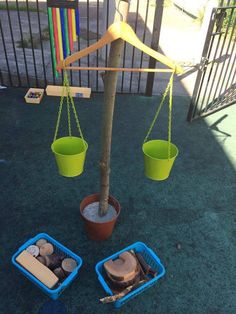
point(169, 89)
point(69, 100)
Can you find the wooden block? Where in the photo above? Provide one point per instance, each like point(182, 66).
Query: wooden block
point(41, 272)
point(34, 100)
point(81, 92)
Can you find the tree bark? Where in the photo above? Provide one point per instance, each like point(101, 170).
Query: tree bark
point(110, 83)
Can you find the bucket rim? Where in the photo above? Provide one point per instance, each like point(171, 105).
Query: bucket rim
point(67, 137)
point(154, 158)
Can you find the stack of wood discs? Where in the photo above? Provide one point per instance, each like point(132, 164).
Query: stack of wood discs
point(122, 272)
point(52, 258)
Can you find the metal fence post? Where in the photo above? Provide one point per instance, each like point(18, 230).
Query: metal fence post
point(154, 44)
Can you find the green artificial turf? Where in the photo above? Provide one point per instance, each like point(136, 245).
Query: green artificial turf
point(189, 219)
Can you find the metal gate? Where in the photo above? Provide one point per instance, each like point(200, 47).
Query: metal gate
point(215, 86)
point(25, 54)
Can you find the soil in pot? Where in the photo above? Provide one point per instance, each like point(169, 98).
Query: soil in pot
point(90, 212)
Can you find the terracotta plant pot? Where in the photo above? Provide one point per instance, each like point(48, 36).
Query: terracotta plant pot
point(99, 231)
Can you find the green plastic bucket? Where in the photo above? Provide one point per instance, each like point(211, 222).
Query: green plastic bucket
point(70, 153)
point(156, 163)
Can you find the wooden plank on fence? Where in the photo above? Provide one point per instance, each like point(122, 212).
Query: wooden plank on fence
point(81, 92)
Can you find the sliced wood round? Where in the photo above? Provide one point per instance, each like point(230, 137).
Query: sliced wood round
point(40, 242)
point(53, 261)
point(33, 250)
point(117, 284)
point(122, 269)
point(68, 265)
point(41, 259)
point(59, 273)
point(46, 249)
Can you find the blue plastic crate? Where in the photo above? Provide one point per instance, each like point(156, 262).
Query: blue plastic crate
point(150, 257)
point(52, 293)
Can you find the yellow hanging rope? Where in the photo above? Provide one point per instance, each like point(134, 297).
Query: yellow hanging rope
point(169, 89)
point(59, 112)
point(68, 113)
point(69, 100)
point(170, 113)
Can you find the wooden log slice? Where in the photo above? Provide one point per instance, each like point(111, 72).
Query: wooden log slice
point(68, 265)
point(41, 259)
point(120, 285)
point(33, 250)
point(123, 268)
point(53, 261)
point(59, 273)
point(40, 242)
point(46, 249)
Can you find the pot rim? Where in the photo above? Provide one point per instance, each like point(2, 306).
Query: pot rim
point(96, 195)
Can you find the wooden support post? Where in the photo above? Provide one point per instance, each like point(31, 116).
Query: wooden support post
point(110, 83)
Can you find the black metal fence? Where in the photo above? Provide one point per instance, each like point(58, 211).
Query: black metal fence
point(215, 86)
point(25, 46)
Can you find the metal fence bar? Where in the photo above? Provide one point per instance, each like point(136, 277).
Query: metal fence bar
point(215, 86)
point(154, 44)
point(31, 40)
point(232, 71)
point(30, 65)
point(123, 73)
point(231, 77)
point(204, 73)
point(224, 3)
point(201, 73)
point(97, 60)
point(41, 43)
point(206, 76)
point(214, 110)
point(210, 75)
point(88, 57)
point(5, 53)
point(143, 39)
point(216, 68)
point(226, 64)
point(13, 44)
point(22, 43)
point(107, 21)
point(133, 50)
point(1, 78)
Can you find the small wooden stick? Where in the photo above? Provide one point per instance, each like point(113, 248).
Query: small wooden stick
point(140, 266)
point(147, 268)
point(121, 294)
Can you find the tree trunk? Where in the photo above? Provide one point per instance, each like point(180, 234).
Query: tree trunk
point(110, 82)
